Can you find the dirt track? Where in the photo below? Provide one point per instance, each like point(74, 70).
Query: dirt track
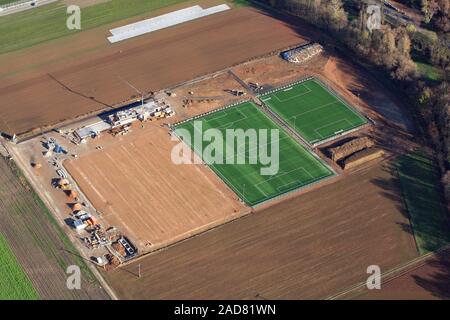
point(138, 189)
point(47, 95)
point(308, 247)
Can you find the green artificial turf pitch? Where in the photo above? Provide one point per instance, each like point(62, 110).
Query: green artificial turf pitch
point(297, 166)
point(314, 112)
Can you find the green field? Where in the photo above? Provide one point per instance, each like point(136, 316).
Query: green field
point(419, 182)
point(14, 283)
point(31, 27)
point(297, 166)
point(27, 28)
point(2, 2)
point(314, 112)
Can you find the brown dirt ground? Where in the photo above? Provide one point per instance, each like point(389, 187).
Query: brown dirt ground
point(307, 247)
point(137, 188)
point(212, 88)
point(51, 88)
point(427, 280)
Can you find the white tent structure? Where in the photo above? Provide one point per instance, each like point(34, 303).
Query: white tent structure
point(164, 21)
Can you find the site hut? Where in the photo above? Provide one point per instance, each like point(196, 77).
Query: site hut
point(92, 130)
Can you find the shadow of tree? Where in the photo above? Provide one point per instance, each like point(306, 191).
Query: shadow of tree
point(395, 135)
point(438, 282)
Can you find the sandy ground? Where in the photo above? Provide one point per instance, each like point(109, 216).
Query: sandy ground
point(307, 247)
point(198, 97)
point(137, 188)
point(43, 91)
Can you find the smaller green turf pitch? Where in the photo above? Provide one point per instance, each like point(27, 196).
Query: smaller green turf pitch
point(297, 166)
point(314, 112)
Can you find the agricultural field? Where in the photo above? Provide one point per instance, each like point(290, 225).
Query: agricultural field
point(297, 166)
point(14, 283)
point(83, 73)
point(3, 2)
point(313, 111)
point(307, 247)
point(427, 210)
point(426, 279)
point(28, 28)
point(41, 248)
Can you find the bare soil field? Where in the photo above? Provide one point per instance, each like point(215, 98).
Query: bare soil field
point(307, 247)
point(426, 280)
point(39, 245)
point(45, 92)
point(137, 188)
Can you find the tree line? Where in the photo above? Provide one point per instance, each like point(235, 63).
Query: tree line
point(390, 48)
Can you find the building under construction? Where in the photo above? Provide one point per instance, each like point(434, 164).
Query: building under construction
point(149, 110)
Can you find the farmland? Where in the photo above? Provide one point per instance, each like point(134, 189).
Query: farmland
point(313, 111)
point(86, 74)
point(41, 248)
point(2, 2)
point(14, 283)
point(297, 167)
point(426, 280)
point(205, 230)
point(429, 217)
point(31, 27)
point(307, 247)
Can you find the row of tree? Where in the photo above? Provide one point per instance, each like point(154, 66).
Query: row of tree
point(435, 13)
point(390, 48)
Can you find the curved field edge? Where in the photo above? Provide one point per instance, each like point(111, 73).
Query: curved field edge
point(14, 283)
point(28, 28)
point(419, 181)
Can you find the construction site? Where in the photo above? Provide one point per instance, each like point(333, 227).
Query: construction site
point(99, 155)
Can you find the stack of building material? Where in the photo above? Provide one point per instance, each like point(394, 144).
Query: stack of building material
point(76, 207)
point(72, 194)
point(303, 53)
point(350, 147)
point(361, 157)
